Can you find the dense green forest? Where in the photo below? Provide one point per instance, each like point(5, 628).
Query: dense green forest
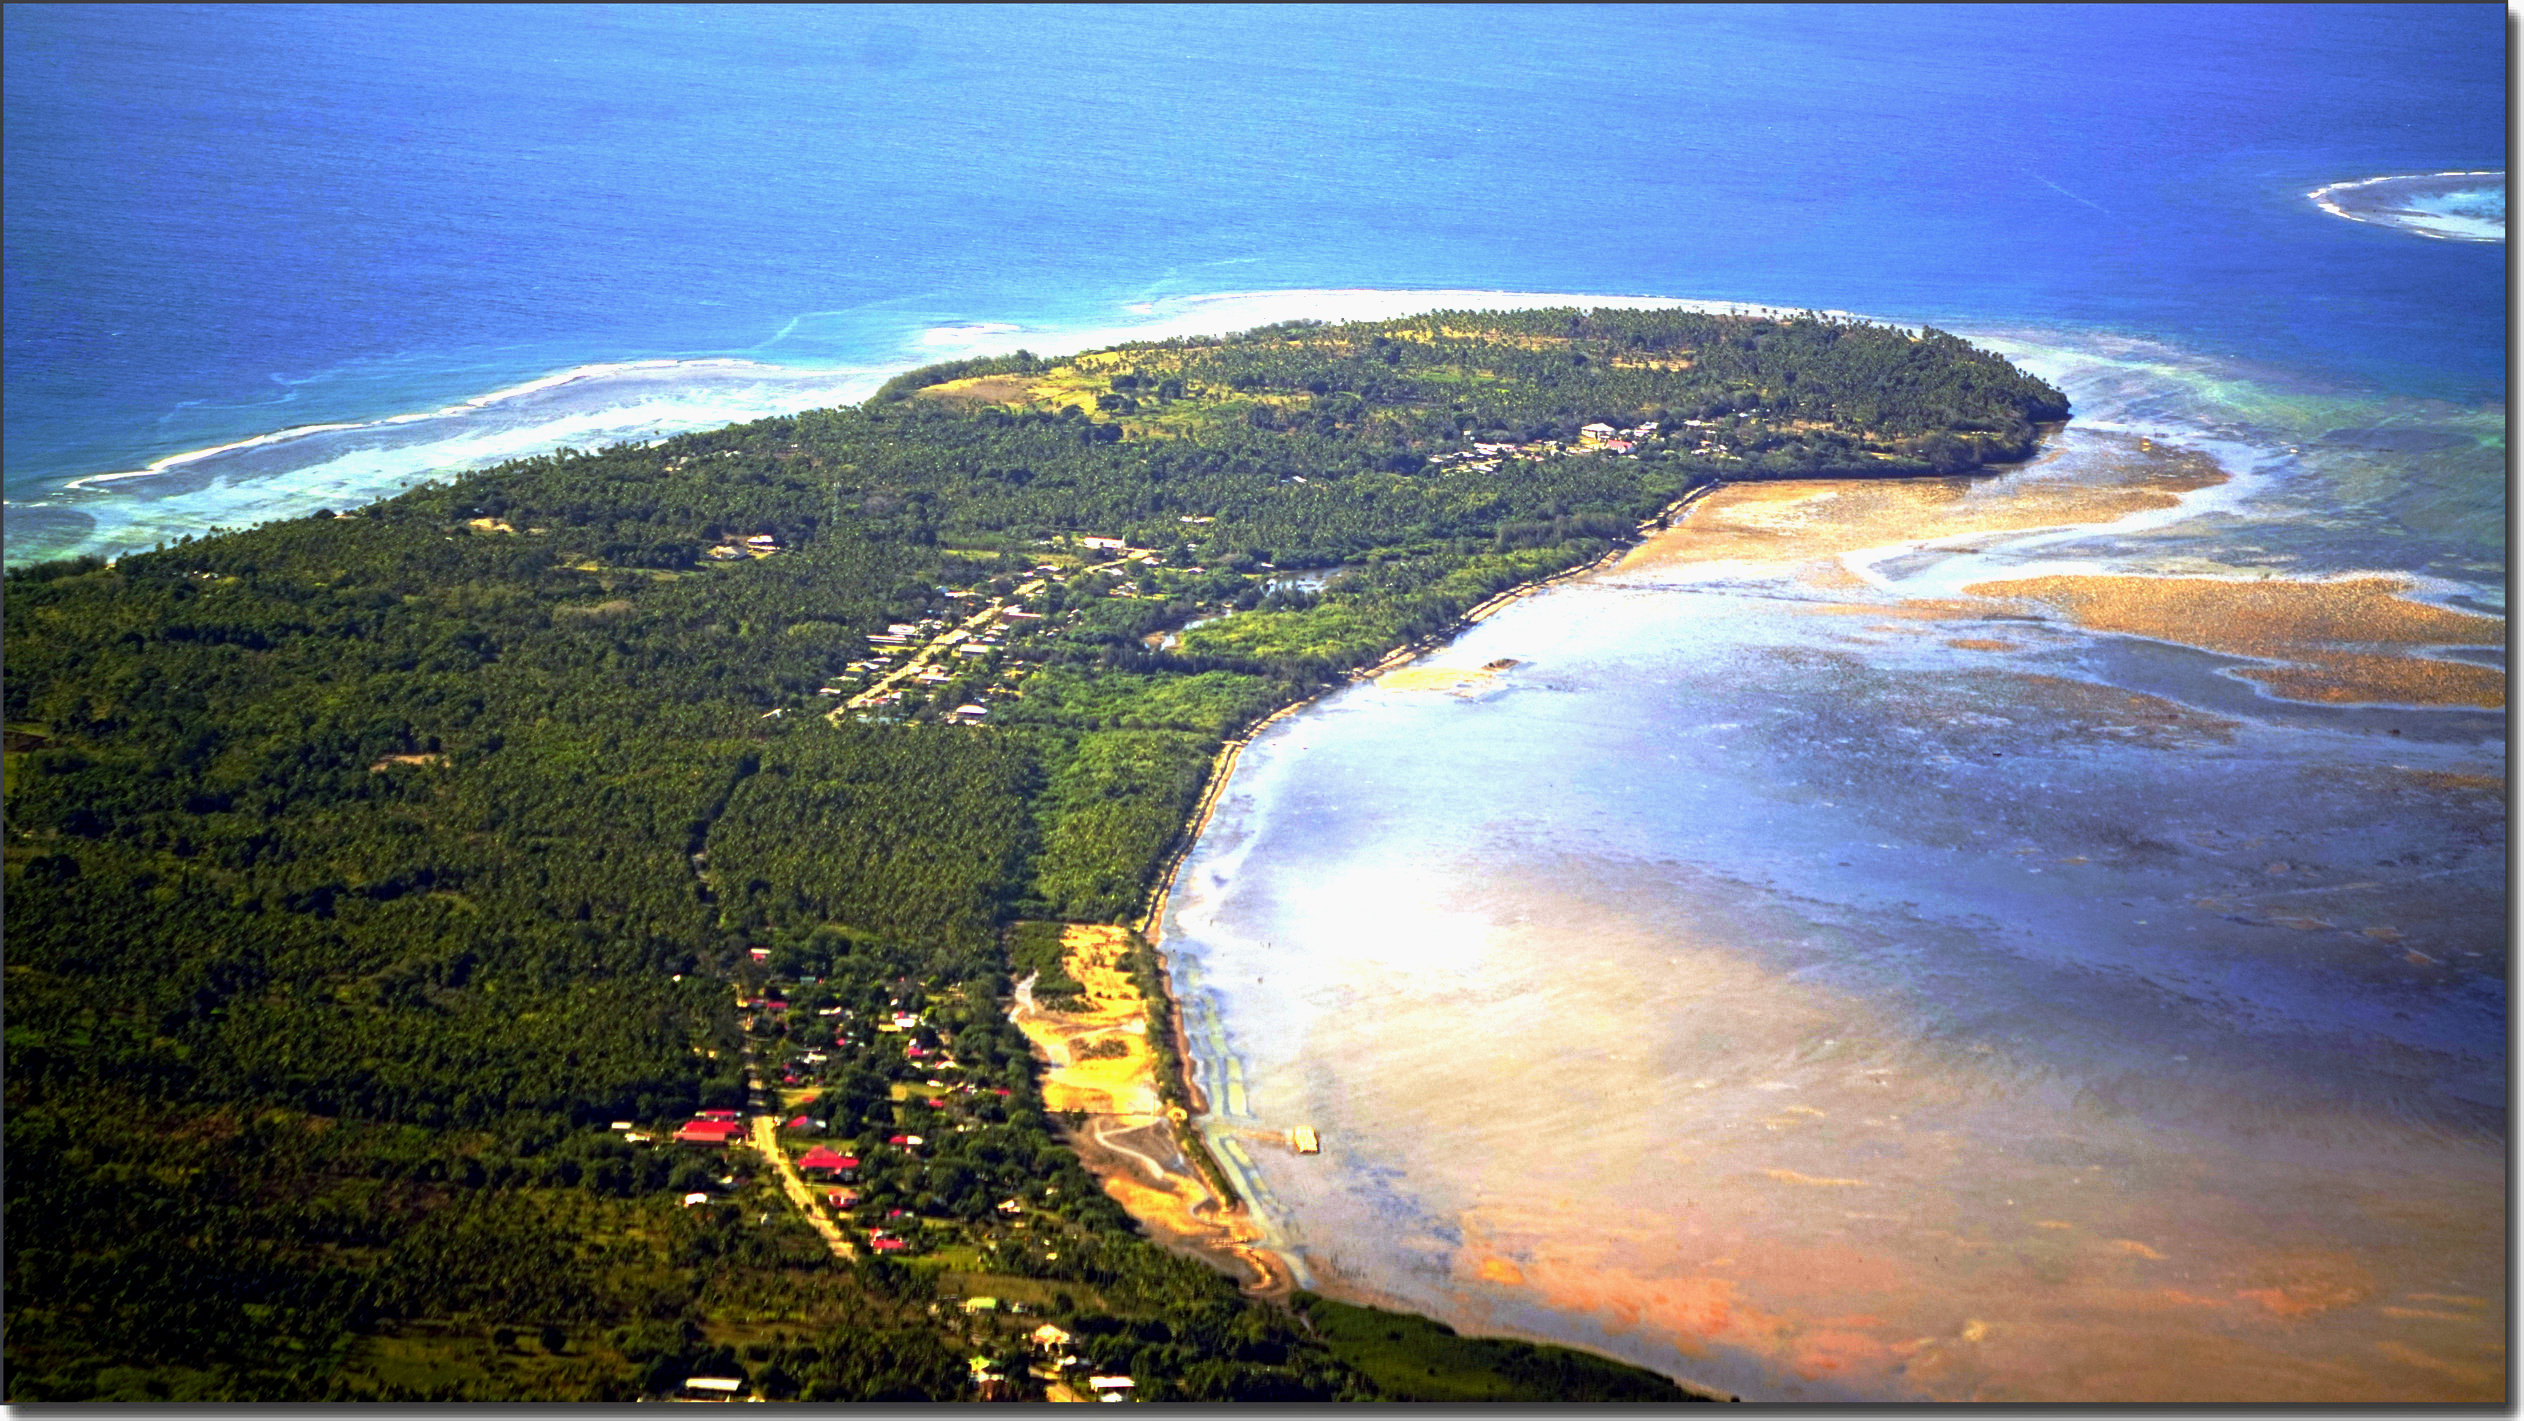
point(364, 870)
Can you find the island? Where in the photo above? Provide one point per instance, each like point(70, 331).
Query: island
point(670, 921)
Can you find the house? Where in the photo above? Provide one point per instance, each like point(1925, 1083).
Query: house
point(696, 1197)
point(971, 712)
point(842, 1198)
point(1090, 540)
point(823, 1159)
point(982, 1304)
point(1596, 433)
point(762, 540)
point(724, 1387)
point(710, 1132)
point(1112, 1388)
point(759, 954)
point(884, 1243)
point(799, 1122)
point(1049, 1337)
point(718, 1115)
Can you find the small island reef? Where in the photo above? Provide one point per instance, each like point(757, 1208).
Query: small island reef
point(2468, 206)
point(389, 891)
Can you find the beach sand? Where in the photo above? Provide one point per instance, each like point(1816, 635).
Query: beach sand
point(1816, 522)
point(1101, 1068)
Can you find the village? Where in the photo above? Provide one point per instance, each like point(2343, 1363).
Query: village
point(863, 1176)
point(959, 663)
point(884, 1191)
point(1487, 457)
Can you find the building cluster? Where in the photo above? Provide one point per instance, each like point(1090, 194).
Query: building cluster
point(761, 545)
point(1047, 1356)
point(1600, 435)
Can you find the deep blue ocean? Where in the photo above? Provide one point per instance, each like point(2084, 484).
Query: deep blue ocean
point(224, 222)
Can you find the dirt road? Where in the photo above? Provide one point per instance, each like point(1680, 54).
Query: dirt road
point(767, 1142)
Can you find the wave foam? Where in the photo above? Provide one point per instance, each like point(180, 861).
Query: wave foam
point(290, 472)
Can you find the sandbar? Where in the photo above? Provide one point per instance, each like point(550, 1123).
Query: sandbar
point(1814, 521)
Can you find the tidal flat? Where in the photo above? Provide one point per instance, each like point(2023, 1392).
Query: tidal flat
point(1902, 941)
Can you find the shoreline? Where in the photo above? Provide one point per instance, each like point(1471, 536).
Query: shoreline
point(1277, 1270)
point(1342, 1185)
point(1150, 922)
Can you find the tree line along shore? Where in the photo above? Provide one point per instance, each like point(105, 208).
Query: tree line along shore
point(365, 871)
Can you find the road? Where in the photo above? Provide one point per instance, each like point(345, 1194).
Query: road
point(927, 655)
point(767, 1142)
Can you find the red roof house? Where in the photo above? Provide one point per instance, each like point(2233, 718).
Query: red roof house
point(718, 1115)
point(710, 1132)
point(824, 1157)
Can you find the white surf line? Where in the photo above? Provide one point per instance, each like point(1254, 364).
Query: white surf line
point(477, 403)
point(1171, 316)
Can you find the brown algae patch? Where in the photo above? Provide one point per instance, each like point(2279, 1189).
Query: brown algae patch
point(2338, 637)
point(2066, 710)
point(2339, 677)
point(2454, 782)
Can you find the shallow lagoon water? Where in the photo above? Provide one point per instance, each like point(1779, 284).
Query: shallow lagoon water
point(1941, 1003)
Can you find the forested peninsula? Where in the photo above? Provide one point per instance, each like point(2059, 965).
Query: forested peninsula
point(388, 889)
